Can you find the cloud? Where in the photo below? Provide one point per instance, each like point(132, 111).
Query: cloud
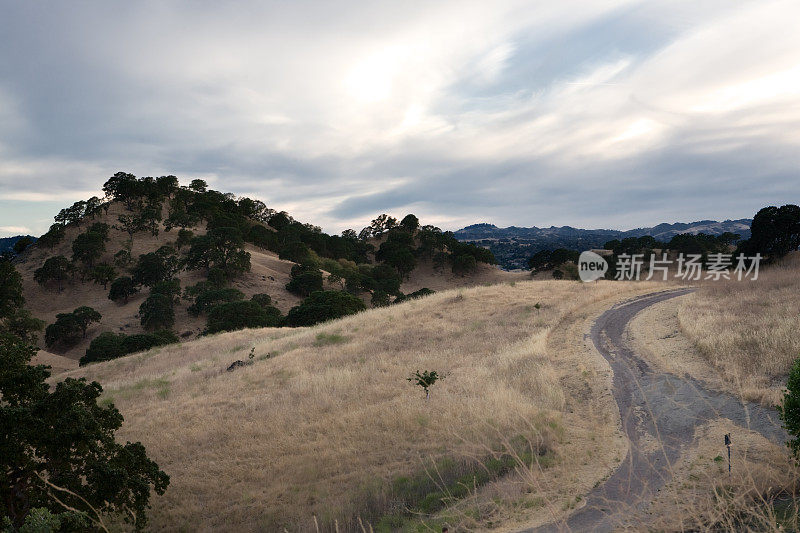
point(7, 231)
point(585, 113)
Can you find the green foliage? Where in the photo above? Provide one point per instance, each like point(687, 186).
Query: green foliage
point(789, 410)
point(425, 379)
point(56, 268)
point(170, 288)
point(322, 306)
point(305, 280)
point(380, 299)
point(232, 316)
point(156, 312)
point(103, 274)
point(53, 236)
point(14, 319)
point(154, 267)
point(558, 274)
point(547, 259)
point(70, 328)
point(109, 345)
point(10, 288)
point(397, 251)
point(295, 251)
point(87, 247)
point(210, 296)
point(22, 244)
point(63, 436)
point(220, 248)
point(414, 295)
point(464, 264)
point(184, 238)
point(775, 231)
point(264, 300)
point(198, 185)
point(262, 237)
point(122, 288)
point(381, 224)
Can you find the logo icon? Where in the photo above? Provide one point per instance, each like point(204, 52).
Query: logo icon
point(591, 266)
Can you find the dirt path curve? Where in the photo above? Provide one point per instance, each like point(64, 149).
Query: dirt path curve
point(659, 414)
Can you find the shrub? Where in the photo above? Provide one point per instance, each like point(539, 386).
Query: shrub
point(789, 410)
point(208, 298)
point(231, 316)
point(56, 269)
point(156, 312)
point(380, 299)
point(154, 267)
point(107, 345)
point(414, 295)
point(170, 288)
point(184, 238)
point(295, 251)
point(464, 264)
point(65, 332)
point(103, 274)
point(122, 288)
point(305, 283)
point(264, 300)
point(144, 341)
point(324, 305)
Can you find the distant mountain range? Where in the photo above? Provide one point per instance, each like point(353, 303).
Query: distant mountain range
point(7, 243)
point(514, 245)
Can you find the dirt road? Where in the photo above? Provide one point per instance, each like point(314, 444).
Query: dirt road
point(659, 415)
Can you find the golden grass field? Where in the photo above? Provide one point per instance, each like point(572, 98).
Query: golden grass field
point(748, 331)
point(323, 421)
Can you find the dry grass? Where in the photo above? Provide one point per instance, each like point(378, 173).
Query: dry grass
point(748, 331)
point(324, 419)
point(760, 493)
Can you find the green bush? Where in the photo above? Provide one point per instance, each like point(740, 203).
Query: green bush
point(122, 288)
point(156, 312)
point(324, 305)
point(109, 345)
point(210, 297)
point(789, 410)
point(305, 283)
point(264, 300)
point(414, 295)
point(464, 264)
point(231, 316)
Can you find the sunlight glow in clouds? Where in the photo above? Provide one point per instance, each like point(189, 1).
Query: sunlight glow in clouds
point(614, 114)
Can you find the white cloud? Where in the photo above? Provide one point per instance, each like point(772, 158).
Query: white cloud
point(314, 106)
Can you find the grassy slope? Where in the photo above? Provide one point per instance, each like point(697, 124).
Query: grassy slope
point(322, 425)
point(748, 330)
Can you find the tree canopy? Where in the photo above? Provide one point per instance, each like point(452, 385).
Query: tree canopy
point(57, 447)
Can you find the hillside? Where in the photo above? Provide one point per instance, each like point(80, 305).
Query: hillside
point(266, 273)
point(512, 246)
point(324, 426)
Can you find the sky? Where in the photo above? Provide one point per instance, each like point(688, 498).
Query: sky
point(614, 114)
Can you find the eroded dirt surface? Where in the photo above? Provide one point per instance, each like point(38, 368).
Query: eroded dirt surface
point(659, 412)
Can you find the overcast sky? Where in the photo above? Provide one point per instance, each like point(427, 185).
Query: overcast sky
point(611, 114)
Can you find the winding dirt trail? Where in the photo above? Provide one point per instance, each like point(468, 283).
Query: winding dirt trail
point(659, 415)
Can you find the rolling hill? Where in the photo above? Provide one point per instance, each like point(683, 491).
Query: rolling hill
point(364, 266)
point(512, 246)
